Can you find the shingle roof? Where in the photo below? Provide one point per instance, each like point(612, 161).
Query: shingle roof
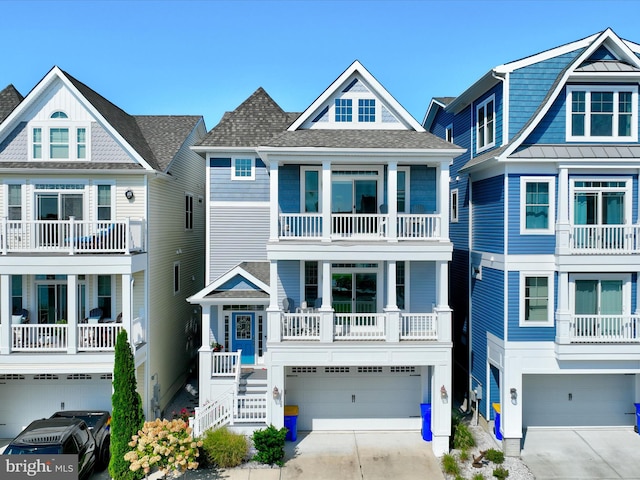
point(9, 99)
point(72, 165)
point(396, 139)
point(165, 134)
point(260, 270)
point(252, 124)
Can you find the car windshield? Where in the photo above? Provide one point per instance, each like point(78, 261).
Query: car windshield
point(90, 420)
point(33, 449)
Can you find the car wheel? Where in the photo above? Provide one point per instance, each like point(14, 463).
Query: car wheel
point(105, 454)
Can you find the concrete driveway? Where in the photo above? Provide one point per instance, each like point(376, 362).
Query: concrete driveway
point(582, 454)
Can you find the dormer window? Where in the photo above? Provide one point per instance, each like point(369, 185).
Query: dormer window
point(602, 113)
point(344, 110)
point(367, 110)
point(59, 138)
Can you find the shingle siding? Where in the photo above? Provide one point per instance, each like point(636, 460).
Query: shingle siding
point(14, 148)
point(289, 183)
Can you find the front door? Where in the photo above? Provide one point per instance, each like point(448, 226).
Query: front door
point(243, 331)
point(354, 292)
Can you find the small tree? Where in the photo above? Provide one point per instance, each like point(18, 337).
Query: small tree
point(127, 417)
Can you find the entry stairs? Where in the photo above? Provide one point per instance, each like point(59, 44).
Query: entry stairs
point(243, 407)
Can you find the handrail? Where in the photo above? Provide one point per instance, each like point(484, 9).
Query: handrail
point(215, 414)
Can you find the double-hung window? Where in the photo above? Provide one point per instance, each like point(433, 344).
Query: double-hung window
point(537, 205)
point(14, 205)
point(104, 202)
point(485, 124)
point(454, 205)
point(243, 169)
point(602, 113)
point(536, 294)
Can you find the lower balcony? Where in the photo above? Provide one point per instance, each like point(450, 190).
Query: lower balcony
point(604, 329)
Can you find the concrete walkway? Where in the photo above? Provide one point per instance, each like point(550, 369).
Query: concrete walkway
point(582, 454)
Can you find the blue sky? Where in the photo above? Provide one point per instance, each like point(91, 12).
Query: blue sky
point(206, 57)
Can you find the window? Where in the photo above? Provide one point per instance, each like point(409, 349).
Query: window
point(485, 124)
point(600, 202)
point(311, 198)
point(343, 110)
point(537, 205)
point(535, 294)
point(454, 205)
point(81, 143)
point(59, 138)
point(58, 143)
point(448, 133)
point(16, 294)
point(37, 143)
point(366, 110)
point(188, 211)
point(176, 277)
point(104, 295)
point(403, 189)
point(14, 205)
point(243, 169)
point(400, 284)
point(310, 282)
point(601, 305)
point(602, 113)
point(104, 202)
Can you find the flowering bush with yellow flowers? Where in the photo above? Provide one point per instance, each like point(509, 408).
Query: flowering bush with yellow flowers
point(164, 444)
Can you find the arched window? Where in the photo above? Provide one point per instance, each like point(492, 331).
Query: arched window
point(59, 114)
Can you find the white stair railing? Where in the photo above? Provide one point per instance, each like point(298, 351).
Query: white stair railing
point(214, 415)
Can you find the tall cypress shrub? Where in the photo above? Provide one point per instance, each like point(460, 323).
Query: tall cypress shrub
point(127, 417)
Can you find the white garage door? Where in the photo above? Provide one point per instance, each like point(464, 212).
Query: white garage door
point(577, 400)
point(355, 398)
point(24, 398)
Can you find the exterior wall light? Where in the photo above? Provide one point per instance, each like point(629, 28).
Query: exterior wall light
point(276, 393)
point(514, 396)
point(129, 194)
point(443, 392)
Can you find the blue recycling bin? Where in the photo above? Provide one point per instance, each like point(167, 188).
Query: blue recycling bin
point(291, 422)
point(425, 414)
point(637, 417)
point(496, 421)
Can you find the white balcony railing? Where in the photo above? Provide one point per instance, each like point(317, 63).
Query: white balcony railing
point(419, 326)
point(409, 226)
point(71, 236)
point(359, 326)
point(604, 329)
point(594, 239)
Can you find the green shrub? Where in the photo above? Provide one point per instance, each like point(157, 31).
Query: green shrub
point(464, 455)
point(500, 472)
point(462, 437)
point(478, 476)
point(450, 464)
point(269, 443)
point(224, 448)
point(495, 456)
point(459, 477)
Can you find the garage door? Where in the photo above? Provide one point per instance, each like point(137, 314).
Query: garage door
point(577, 400)
point(355, 398)
point(24, 398)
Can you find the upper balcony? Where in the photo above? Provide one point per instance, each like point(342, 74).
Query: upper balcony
point(72, 236)
point(603, 239)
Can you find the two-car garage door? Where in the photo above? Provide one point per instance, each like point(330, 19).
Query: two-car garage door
point(578, 400)
point(24, 398)
point(355, 398)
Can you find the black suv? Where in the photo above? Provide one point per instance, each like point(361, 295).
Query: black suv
point(56, 436)
point(99, 422)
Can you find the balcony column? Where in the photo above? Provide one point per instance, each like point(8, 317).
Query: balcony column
point(563, 227)
point(392, 311)
point(5, 313)
point(326, 201)
point(127, 306)
point(326, 311)
point(441, 400)
point(205, 356)
point(274, 314)
point(392, 202)
point(442, 309)
point(274, 220)
point(442, 200)
point(72, 314)
point(563, 315)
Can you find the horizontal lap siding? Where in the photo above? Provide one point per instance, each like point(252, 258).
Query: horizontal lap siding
point(289, 281)
point(459, 231)
point(516, 333)
point(488, 215)
point(526, 244)
point(289, 183)
point(223, 189)
point(423, 187)
point(237, 234)
point(422, 286)
point(529, 85)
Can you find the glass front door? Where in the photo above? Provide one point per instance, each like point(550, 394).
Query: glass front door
point(354, 292)
point(52, 303)
point(354, 196)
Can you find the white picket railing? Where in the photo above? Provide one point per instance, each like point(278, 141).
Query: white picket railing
point(226, 364)
point(301, 326)
point(39, 338)
point(412, 226)
point(213, 415)
point(300, 225)
point(251, 408)
point(359, 326)
point(418, 326)
point(604, 329)
point(605, 239)
point(98, 337)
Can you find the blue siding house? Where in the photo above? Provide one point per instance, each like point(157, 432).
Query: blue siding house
point(544, 287)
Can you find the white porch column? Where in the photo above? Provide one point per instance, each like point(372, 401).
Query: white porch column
point(442, 284)
point(326, 201)
point(205, 359)
point(326, 310)
point(392, 301)
point(511, 406)
point(275, 403)
point(392, 201)
point(443, 199)
point(127, 306)
point(274, 220)
point(274, 332)
point(563, 315)
point(392, 311)
point(563, 226)
point(72, 314)
point(441, 401)
point(5, 313)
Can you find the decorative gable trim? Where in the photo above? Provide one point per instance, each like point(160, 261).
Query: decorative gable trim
point(356, 68)
point(223, 279)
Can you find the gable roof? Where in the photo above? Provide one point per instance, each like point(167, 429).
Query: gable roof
point(10, 98)
point(257, 273)
point(253, 123)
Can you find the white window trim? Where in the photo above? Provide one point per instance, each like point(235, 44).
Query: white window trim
point(587, 121)
point(551, 228)
point(551, 305)
point(626, 288)
point(479, 106)
point(112, 279)
point(448, 133)
point(628, 198)
point(73, 139)
point(303, 187)
point(253, 167)
point(23, 196)
point(454, 201)
point(94, 193)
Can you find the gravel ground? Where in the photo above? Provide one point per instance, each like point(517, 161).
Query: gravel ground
point(484, 440)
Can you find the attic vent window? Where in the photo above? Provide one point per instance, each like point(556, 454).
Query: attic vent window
point(59, 114)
